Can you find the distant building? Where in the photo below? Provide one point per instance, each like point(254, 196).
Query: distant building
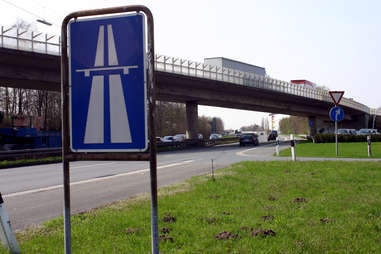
point(236, 65)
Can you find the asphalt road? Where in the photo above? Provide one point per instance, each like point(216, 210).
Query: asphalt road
point(34, 194)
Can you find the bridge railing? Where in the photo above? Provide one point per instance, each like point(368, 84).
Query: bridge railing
point(190, 68)
point(29, 41)
point(50, 44)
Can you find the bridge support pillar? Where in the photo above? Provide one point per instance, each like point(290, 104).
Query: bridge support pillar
point(360, 122)
point(192, 119)
point(312, 125)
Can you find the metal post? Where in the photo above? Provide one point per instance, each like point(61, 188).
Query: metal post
point(337, 147)
point(65, 137)
point(212, 170)
point(67, 206)
point(68, 156)
point(292, 143)
point(369, 146)
point(277, 146)
point(153, 152)
point(6, 233)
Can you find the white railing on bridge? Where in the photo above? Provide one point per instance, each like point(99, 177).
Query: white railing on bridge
point(43, 43)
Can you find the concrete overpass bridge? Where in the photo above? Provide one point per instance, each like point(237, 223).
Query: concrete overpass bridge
point(35, 64)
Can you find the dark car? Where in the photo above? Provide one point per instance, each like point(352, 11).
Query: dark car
point(248, 138)
point(272, 136)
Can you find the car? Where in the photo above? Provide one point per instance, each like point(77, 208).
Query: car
point(215, 136)
point(248, 138)
point(272, 135)
point(168, 139)
point(179, 137)
point(346, 131)
point(366, 131)
point(159, 139)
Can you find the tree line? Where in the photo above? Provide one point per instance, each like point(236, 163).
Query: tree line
point(45, 106)
point(294, 125)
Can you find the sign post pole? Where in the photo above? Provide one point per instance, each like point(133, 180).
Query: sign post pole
point(337, 146)
point(97, 126)
point(336, 113)
point(7, 237)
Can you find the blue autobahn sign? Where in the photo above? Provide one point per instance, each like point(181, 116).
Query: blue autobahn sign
point(108, 109)
point(336, 114)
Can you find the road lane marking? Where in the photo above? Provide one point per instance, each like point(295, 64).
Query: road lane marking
point(242, 153)
point(142, 171)
point(92, 165)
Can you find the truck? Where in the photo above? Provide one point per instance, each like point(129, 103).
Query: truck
point(223, 62)
point(304, 83)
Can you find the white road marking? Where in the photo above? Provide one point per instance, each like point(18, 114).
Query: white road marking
point(242, 153)
point(142, 171)
point(92, 165)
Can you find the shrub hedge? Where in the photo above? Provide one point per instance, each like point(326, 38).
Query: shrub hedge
point(330, 138)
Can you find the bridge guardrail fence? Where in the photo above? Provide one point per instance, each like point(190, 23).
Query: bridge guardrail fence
point(50, 44)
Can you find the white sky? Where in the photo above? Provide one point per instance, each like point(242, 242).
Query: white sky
point(335, 43)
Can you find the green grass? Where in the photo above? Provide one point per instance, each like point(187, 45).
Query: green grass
point(16, 163)
point(345, 195)
point(328, 150)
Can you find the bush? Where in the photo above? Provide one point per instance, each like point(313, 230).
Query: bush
point(330, 138)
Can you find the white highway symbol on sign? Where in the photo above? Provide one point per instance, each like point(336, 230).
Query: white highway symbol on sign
point(108, 94)
point(120, 128)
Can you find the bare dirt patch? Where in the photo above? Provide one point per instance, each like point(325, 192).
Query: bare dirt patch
point(272, 198)
point(168, 218)
point(299, 200)
point(267, 217)
point(225, 235)
point(208, 220)
point(132, 230)
point(226, 213)
point(262, 232)
point(165, 230)
point(326, 220)
point(166, 238)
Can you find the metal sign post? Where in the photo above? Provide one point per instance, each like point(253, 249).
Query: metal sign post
point(7, 237)
point(336, 114)
point(103, 118)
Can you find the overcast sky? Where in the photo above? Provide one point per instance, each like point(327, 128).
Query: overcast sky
point(334, 43)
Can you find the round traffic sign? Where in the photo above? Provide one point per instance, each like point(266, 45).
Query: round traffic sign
point(336, 114)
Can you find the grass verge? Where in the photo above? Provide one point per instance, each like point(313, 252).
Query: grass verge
point(28, 162)
point(328, 150)
point(251, 207)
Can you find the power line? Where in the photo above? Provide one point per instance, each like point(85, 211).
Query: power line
point(40, 19)
point(20, 8)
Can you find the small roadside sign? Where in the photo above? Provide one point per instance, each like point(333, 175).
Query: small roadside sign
point(336, 96)
point(336, 114)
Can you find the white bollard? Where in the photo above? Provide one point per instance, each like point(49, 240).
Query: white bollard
point(292, 144)
point(6, 234)
point(369, 146)
point(277, 146)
